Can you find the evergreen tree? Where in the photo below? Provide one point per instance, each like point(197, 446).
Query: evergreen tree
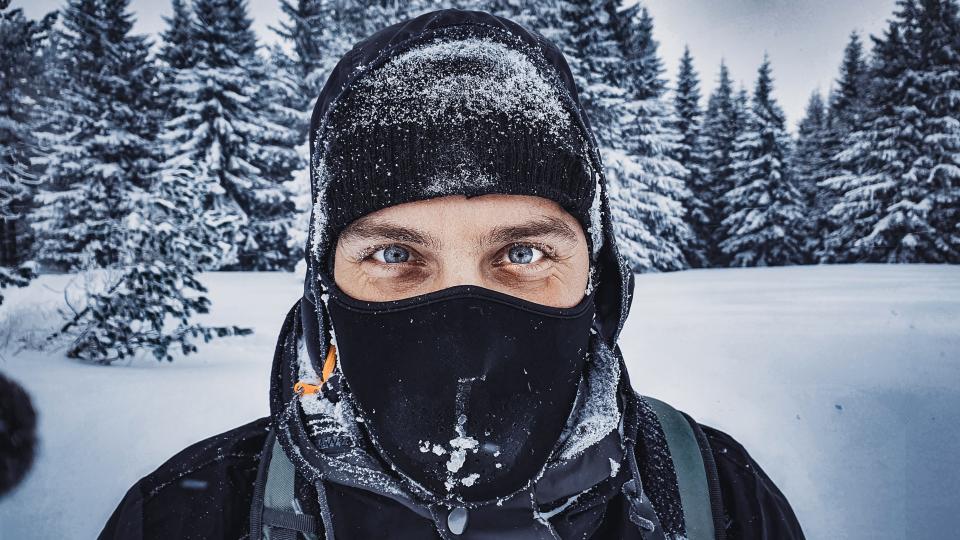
point(810, 166)
point(722, 124)
point(307, 21)
point(99, 156)
point(283, 158)
point(21, 70)
point(227, 139)
point(651, 186)
point(597, 66)
point(848, 101)
point(161, 235)
point(763, 209)
point(899, 187)
point(177, 53)
point(847, 111)
point(169, 242)
point(691, 155)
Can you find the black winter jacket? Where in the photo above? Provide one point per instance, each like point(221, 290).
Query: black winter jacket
point(205, 492)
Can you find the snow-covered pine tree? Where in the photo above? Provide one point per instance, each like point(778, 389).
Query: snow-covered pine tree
point(939, 51)
point(307, 21)
point(899, 189)
point(224, 135)
point(149, 303)
point(178, 59)
point(596, 60)
point(651, 186)
point(316, 39)
point(722, 125)
point(847, 112)
point(545, 17)
point(21, 75)
point(690, 154)
point(176, 53)
point(763, 209)
point(98, 130)
point(147, 296)
point(589, 29)
point(281, 160)
point(810, 163)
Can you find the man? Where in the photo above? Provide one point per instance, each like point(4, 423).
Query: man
point(452, 369)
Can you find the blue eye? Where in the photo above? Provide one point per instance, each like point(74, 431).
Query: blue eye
point(392, 254)
point(521, 254)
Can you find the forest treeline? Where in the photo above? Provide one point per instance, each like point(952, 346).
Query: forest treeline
point(158, 158)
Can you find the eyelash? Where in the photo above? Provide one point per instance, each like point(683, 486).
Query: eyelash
point(548, 254)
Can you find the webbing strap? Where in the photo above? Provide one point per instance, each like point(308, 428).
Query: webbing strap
point(280, 491)
point(276, 506)
point(690, 469)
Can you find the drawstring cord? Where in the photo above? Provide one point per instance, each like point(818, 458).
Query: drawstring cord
point(329, 364)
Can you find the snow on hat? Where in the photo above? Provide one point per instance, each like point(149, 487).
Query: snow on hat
point(463, 112)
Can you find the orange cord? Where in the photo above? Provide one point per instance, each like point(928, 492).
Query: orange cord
point(328, 365)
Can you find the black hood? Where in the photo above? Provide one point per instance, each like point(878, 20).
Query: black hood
point(614, 280)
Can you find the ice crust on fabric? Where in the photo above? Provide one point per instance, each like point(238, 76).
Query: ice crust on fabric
point(599, 413)
point(460, 81)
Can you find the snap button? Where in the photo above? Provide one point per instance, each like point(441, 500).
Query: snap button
point(457, 520)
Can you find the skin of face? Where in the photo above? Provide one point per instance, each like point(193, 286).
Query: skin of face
point(524, 246)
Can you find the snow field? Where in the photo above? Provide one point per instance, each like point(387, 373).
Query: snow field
point(843, 383)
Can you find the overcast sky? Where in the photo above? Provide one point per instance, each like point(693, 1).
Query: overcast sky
point(804, 38)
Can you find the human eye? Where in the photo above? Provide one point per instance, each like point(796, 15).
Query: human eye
point(391, 254)
point(525, 256)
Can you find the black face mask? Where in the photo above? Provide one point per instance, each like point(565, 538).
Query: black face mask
point(464, 391)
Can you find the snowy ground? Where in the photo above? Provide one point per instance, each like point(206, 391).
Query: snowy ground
point(843, 382)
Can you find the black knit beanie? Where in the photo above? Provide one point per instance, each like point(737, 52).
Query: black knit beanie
point(466, 110)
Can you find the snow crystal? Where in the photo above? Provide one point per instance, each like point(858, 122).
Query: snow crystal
point(320, 180)
point(614, 467)
point(596, 218)
point(458, 455)
point(464, 174)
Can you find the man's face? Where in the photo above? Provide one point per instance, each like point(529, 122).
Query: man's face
point(525, 246)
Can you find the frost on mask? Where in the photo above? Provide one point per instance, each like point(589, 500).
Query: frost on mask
point(460, 446)
point(599, 413)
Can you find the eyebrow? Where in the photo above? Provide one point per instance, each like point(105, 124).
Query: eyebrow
point(543, 226)
point(365, 229)
point(548, 226)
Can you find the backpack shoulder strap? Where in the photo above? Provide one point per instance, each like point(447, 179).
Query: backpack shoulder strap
point(275, 513)
point(696, 475)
